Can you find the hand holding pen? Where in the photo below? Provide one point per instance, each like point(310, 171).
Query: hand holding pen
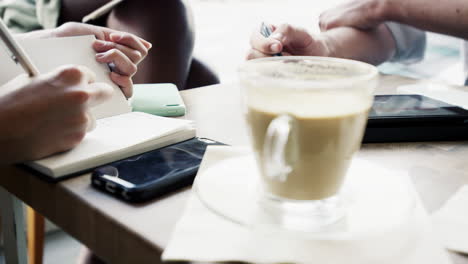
point(45, 113)
point(286, 40)
point(266, 31)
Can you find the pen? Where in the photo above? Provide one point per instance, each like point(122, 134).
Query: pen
point(97, 14)
point(101, 11)
point(266, 32)
point(18, 54)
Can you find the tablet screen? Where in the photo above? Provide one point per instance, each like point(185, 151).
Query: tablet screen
point(411, 106)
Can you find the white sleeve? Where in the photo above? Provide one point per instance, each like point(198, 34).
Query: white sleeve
point(464, 55)
point(410, 43)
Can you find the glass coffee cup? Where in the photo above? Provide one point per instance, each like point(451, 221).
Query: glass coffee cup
point(306, 117)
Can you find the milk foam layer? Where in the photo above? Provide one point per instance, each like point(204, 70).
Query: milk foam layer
point(309, 104)
point(309, 88)
point(310, 70)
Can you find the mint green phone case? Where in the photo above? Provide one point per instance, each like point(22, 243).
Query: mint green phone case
point(162, 99)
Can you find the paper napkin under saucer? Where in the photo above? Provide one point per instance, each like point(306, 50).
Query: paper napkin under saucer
point(201, 235)
point(451, 222)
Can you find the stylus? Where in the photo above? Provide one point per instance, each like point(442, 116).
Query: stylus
point(18, 54)
point(101, 11)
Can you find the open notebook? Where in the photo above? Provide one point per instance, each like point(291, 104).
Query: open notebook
point(119, 133)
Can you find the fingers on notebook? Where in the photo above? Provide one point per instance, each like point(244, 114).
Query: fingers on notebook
point(98, 93)
point(130, 41)
point(146, 43)
point(81, 97)
point(134, 55)
point(125, 83)
point(78, 86)
point(70, 75)
point(125, 60)
point(124, 66)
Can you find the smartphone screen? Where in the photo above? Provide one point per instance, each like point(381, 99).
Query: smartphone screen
point(165, 162)
point(412, 105)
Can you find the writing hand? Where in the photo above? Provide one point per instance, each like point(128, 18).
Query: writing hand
point(48, 114)
point(289, 40)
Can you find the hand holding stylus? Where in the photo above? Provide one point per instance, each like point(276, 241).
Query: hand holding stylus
point(287, 41)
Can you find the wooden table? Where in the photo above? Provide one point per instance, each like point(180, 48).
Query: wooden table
point(123, 233)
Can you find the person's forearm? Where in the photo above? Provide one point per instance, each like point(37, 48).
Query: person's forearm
point(372, 46)
point(38, 34)
point(11, 143)
point(446, 17)
point(8, 154)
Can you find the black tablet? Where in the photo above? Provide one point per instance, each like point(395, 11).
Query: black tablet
point(405, 118)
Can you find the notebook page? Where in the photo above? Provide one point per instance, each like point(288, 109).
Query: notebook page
point(48, 54)
point(117, 133)
point(9, 69)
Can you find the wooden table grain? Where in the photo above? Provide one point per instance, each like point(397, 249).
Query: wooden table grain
point(119, 232)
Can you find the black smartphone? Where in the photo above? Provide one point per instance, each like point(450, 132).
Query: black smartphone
point(409, 118)
point(154, 173)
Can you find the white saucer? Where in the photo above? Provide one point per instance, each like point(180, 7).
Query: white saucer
point(378, 205)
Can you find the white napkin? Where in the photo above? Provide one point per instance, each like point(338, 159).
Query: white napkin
point(451, 222)
point(201, 235)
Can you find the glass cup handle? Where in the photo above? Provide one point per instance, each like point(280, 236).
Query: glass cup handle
point(277, 164)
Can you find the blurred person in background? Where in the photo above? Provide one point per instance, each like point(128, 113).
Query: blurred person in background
point(373, 31)
point(166, 24)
